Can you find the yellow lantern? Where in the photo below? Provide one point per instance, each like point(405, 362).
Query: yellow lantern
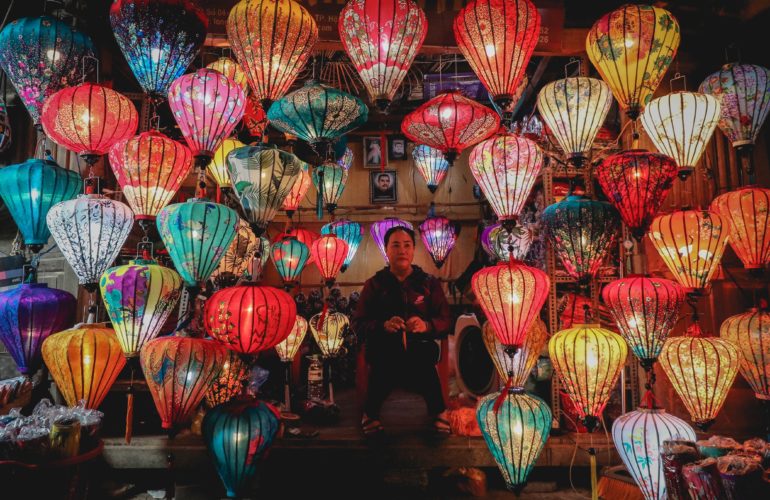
point(750, 332)
point(588, 359)
point(520, 365)
point(288, 348)
point(232, 70)
point(330, 334)
point(218, 166)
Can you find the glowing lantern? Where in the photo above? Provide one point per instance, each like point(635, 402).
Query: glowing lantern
point(636, 182)
point(231, 70)
point(218, 167)
point(30, 313)
point(518, 367)
point(150, 168)
point(229, 384)
point(179, 371)
point(329, 253)
point(589, 360)
point(237, 257)
point(290, 257)
point(304, 235)
point(331, 334)
point(255, 117)
point(349, 231)
point(30, 189)
point(431, 164)
point(88, 119)
point(288, 348)
point(272, 40)
point(515, 429)
point(380, 228)
point(298, 191)
point(574, 110)
point(691, 243)
point(750, 333)
point(639, 436)
point(581, 231)
point(84, 362)
point(450, 122)
point(505, 168)
point(439, 237)
point(645, 310)
point(632, 47)
point(346, 160)
point(500, 244)
point(330, 179)
point(158, 38)
point(746, 213)
point(41, 55)
point(511, 296)
point(382, 38)
point(497, 38)
point(257, 265)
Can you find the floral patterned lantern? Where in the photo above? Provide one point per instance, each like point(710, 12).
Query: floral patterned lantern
point(380, 228)
point(231, 70)
point(439, 236)
point(329, 253)
point(289, 256)
point(288, 348)
point(748, 224)
point(217, 169)
point(237, 257)
point(750, 333)
point(255, 117)
point(329, 335)
point(517, 368)
point(329, 180)
point(230, 382)
point(501, 244)
point(351, 232)
point(431, 164)
point(298, 191)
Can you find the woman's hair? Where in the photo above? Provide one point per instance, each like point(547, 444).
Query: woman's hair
point(399, 228)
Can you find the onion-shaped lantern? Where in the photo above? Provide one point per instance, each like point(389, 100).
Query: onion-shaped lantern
point(329, 180)
point(255, 117)
point(42, 55)
point(84, 362)
point(299, 233)
point(450, 122)
point(574, 110)
point(346, 160)
point(632, 47)
point(298, 191)
point(229, 384)
point(179, 371)
point(237, 257)
point(581, 231)
point(289, 256)
point(351, 232)
point(288, 348)
point(382, 38)
point(636, 182)
point(380, 228)
point(329, 253)
point(589, 360)
point(159, 39)
point(231, 70)
point(431, 164)
point(217, 169)
point(748, 224)
point(515, 370)
point(515, 426)
point(691, 243)
point(501, 244)
point(439, 236)
point(329, 335)
point(750, 333)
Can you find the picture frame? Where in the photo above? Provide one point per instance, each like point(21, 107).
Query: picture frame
point(382, 191)
point(397, 148)
point(375, 154)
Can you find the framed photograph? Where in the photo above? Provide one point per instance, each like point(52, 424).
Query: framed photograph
point(383, 187)
point(375, 153)
point(397, 148)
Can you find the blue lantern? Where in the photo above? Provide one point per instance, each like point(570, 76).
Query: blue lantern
point(349, 231)
point(289, 256)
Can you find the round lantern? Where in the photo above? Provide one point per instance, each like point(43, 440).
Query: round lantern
point(746, 213)
point(237, 257)
point(88, 119)
point(497, 38)
point(298, 191)
point(229, 383)
point(636, 182)
point(515, 426)
point(439, 236)
point(30, 189)
point(29, 313)
point(380, 228)
point(501, 244)
point(41, 55)
point(255, 117)
point(574, 110)
point(691, 243)
point(346, 160)
point(289, 256)
point(288, 348)
point(179, 371)
point(249, 319)
point(589, 360)
point(84, 362)
point(750, 333)
point(632, 47)
point(382, 38)
point(431, 164)
point(329, 180)
point(159, 39)
point(231, 70)
point(351, 232)
point(516, 370)
point(217, 169)
point(329, 335)
point(450, 122)
point(329, 253)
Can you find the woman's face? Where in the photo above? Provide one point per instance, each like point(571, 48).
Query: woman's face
point(400, 250)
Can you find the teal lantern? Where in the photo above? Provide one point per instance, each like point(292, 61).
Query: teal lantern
point(515, 426)
point(329, 179)
point(197, 234)
point(351, 232)
point(30, 189)
point(289, 256)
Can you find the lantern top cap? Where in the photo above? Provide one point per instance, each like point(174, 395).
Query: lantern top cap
point(656, 410)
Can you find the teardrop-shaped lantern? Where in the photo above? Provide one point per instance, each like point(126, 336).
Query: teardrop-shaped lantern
point(691, 243)
point(231, 70)
point(581, 231)
point(229, 383)
point(746, 213)
point(329, 180)
point(237, 257)
point(439, 236)
point(90, 231)
point(574, 110)
point(329, 253)
point(288, 348)
point(217, 169)
point(517, 368)
point(380, 228)
point(262, 177)
point(636, 182)
point(272, 40)
point(497, 38)
point(450, 122)
point(639, 436)
point(42, 55)
point(515, 429)
point(179, 371)
point(298, 191)
point(30, 189)
point(331, 334)
point(632, 47)
point(431, 164)
point(511, 296)
point(499, 243)
point(351, 232)
point(588, 359)
point(750, 333)
point(150, 168)
point(289, 256)
point(197, 233)
point(84, 362)
point(346, 160)
point(139, 298)
point(159, 39)
point(382, 38)
point(505, 168)
point(29, 313)
point(645, 310)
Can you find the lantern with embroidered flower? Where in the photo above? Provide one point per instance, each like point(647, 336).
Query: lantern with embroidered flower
point(231, 70)
point(750, 333)
point(238, 256)
point(229, 383)
point(298, 191)
point(289, 256)
point(351, 232)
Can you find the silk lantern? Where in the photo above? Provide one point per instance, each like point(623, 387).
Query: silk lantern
point(329, 253)
point(257, 265)
point(217, 169)
point(431, 165)
point(329, 180)
point(297, 193)
point(231, 70)
point(301, 234)
point(439, 236)
point(501, 244)
point(84, 363)
point(746, 212)
point(255, 117)
point(289, 256)
point(236, 259)
point(288, 348)
point(179, 371)
point(380, 228)
point(750, 333)
point(351, 232)
point(516, 370)
point(329, 335)
point(589, 360)
point(632, 47)
point(229, 383)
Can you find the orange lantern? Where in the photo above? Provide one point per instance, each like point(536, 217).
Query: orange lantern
point(750, 332)
point(229, 383)
point(298, 191)
point(746, 212)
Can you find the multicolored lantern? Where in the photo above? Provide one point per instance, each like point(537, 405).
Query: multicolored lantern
point(380, 228)
point(329, 335)
point(636, 182)
point(288, 348)
point(231, 70)
point(217, 169)
point(289, 256)
point(329, 253)
point(746, 213)
point(237, 257)
point(516, 370)
point(439, 236)
point(501, 244)
point(431, 164)
point(632, 47)
point(298, 191)
point(450, 122)
point(351, 232)
point(750, 333)
point(230, 382)
point(329, 180)
point(346, 160)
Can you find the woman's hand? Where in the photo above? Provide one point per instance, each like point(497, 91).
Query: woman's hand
point(394, 324)
point(415, 324)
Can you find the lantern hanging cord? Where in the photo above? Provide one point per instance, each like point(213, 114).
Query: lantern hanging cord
point(7, 13)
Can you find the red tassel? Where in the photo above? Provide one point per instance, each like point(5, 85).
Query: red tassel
point(129, 417)
point(322, 317)
point(503, 394)
point(219, 194)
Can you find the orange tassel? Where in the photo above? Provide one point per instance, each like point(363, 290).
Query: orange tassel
point(129, 416)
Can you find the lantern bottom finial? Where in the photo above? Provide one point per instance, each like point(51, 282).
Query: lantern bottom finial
point(382, 105)
point(432, 188)
point(516, 489)
point(590, 422)
point(577, 160)
point(450, 156)
point(704, 425)
point(35, 247)
point(633, 112)
point(685, 172)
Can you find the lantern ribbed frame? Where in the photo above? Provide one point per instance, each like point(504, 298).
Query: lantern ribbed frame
point(431, 164)
point(290, 257)
point(217, 169)
point(329, 253)
point(297, 193)
point(750, 333)
point(380, 228)
point(521, 364)
point(746, 213)
point(331, 334)
point(351, 232)
point(334, 179)
point(288, 348)
point(439, 236)
point(231, 70)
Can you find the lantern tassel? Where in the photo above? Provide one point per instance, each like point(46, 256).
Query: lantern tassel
point(503, 393)
point(130, 407)
point(594, 488)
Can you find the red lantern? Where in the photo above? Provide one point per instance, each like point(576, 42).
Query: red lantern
point(450, 122)
point(329, 254)
point(249, 319)
point(255, 117)
point(747, 213)
point(297, 194)
point(302, 235)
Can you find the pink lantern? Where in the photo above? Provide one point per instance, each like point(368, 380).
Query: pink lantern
point(329, 254)
point(439, 236)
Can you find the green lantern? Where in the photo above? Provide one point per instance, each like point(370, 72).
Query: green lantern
point(329, 180)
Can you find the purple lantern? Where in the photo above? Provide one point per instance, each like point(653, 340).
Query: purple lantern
point(497, 242)
point(380, 228)
point(439, 236)
point(28, 315)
